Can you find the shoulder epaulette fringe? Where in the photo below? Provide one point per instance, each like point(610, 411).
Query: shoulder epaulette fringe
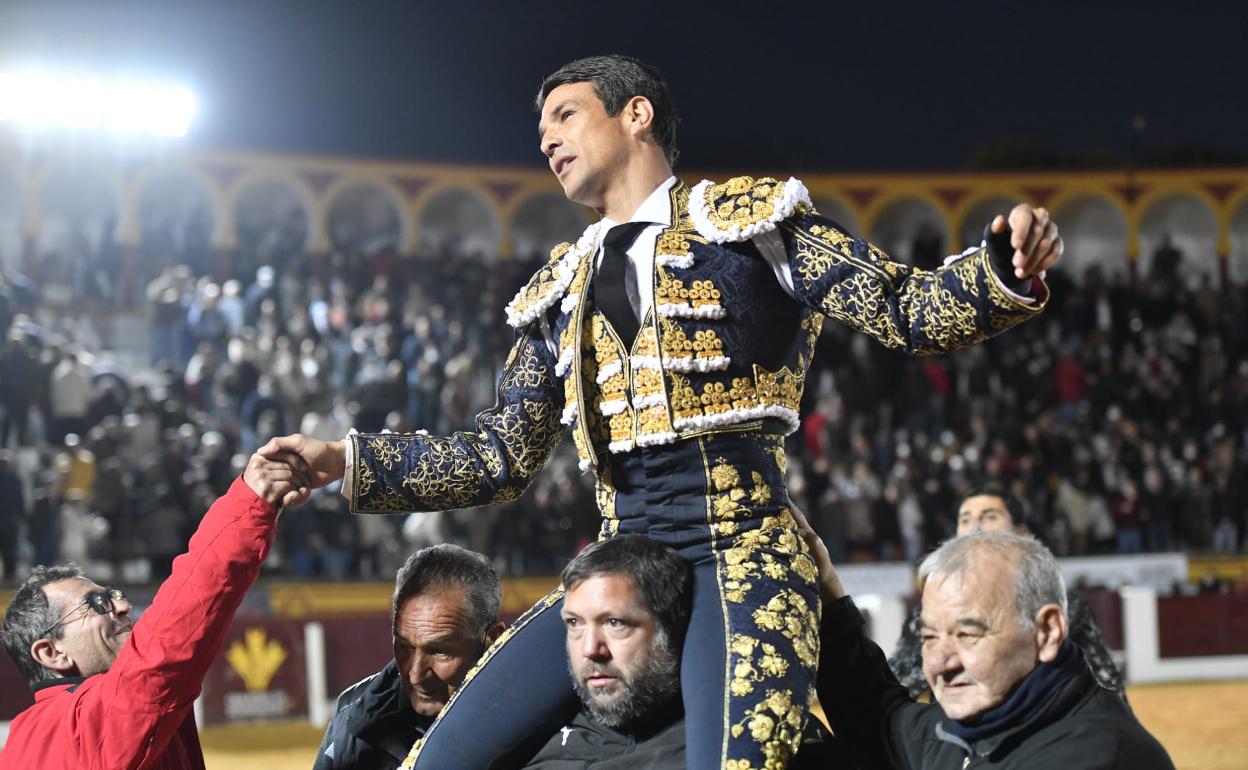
point(743, 207)
point(548, 285)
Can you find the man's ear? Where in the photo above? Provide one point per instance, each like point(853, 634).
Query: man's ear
point(492, 635)
point(638, 115)
point(49, 654)
point(1050, 631)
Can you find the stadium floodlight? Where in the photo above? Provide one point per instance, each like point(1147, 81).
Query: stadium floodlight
point(43, 100)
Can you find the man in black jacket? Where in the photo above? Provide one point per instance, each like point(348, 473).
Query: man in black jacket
point(1011, 689)
point(626, 609)
point(990, 508)
point(445, 614)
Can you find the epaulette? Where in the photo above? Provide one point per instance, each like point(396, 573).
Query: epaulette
point(743, 207)
point(548, 285)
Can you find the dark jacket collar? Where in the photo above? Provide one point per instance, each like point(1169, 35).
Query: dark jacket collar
point(71, 682)
point(1080, 687)
point(383, 715)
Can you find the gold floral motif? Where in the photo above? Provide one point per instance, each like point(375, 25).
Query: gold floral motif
point(528, 431)
point(724, 475)
point(526, 370)
point(945, 319)
point(387, 451)
point(647, 382)
point(776, 723)
point(444, 475)
point(742, 201)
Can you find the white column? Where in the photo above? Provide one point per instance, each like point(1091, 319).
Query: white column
point(319, 709)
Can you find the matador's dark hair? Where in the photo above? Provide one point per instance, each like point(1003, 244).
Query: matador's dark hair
point(616, 79)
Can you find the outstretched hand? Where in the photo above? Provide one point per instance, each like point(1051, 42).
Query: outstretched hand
point(281, 480)
point(830, 588)
point(1037, 246)
point(322, 462)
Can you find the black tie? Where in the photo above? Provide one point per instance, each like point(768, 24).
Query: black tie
point(610, 289)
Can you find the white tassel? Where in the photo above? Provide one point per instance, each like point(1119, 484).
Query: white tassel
point(654, 439)
point(682, 261)
point(607, 372)
point(609, 408)
point(683, 310)
point(691, 364)
point(733, 416)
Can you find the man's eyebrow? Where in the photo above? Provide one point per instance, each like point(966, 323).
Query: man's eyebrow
point(974, 623)
point(554, 111)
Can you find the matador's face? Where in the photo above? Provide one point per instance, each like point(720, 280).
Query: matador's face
point(586, 148)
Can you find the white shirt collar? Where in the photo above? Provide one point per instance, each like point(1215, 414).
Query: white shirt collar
point(656, 209)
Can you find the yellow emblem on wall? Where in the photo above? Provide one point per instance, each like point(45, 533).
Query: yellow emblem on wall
point(256, 659)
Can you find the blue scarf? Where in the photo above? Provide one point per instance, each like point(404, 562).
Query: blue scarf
point(1037, 690)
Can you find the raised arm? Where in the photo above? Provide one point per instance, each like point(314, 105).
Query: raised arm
point(865, 706)
point(150, 689)
point(923, 311)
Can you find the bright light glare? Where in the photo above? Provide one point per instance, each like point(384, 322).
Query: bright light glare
point(43, 100)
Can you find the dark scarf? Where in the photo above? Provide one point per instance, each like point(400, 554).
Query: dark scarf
point(1033, 694)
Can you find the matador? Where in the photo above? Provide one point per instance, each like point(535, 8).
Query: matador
point(673, 339)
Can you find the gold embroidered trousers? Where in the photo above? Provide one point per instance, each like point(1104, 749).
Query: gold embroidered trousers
point(749, 659)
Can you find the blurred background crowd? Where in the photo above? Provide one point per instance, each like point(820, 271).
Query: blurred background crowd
point(1120, 415)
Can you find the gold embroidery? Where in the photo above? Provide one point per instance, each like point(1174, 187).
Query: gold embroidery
point(676, 344)
point(672, 242)
point(387, 451)
point(742, 201)
point(776, 723)
point(672, 291)
point(543, 282)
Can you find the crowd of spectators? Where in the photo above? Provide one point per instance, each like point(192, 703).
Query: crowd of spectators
point(1120, 415)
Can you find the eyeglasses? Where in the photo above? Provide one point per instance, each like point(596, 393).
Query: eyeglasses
point(103, 602)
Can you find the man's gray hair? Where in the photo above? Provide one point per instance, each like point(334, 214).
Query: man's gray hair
point(447, 565)
point(1037, 577)
point(29, 617)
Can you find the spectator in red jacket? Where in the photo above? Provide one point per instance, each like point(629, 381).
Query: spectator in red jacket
point(112, 692)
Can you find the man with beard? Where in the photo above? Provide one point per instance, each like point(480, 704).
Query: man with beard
point(627, 602)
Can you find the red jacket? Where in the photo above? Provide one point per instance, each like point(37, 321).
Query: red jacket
point(139, 714)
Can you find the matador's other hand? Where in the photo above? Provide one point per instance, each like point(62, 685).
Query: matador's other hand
point(830, 588)
point(326, 460)
point(1037, 246)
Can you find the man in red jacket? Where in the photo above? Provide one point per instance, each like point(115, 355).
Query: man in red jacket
point(114, 693)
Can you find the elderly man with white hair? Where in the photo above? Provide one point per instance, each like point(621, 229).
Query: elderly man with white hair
point(1011, 689)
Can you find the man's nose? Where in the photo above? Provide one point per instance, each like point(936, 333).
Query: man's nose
point(548, 143)
point(418, 668)
point(593, 646)
point(940, 657)
point(122, 607)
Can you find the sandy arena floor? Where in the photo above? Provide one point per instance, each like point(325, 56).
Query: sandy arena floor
point(1204, 726)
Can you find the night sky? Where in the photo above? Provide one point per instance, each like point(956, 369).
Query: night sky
point(813, 86)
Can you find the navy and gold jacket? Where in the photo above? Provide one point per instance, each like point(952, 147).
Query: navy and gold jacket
point(724, 343)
